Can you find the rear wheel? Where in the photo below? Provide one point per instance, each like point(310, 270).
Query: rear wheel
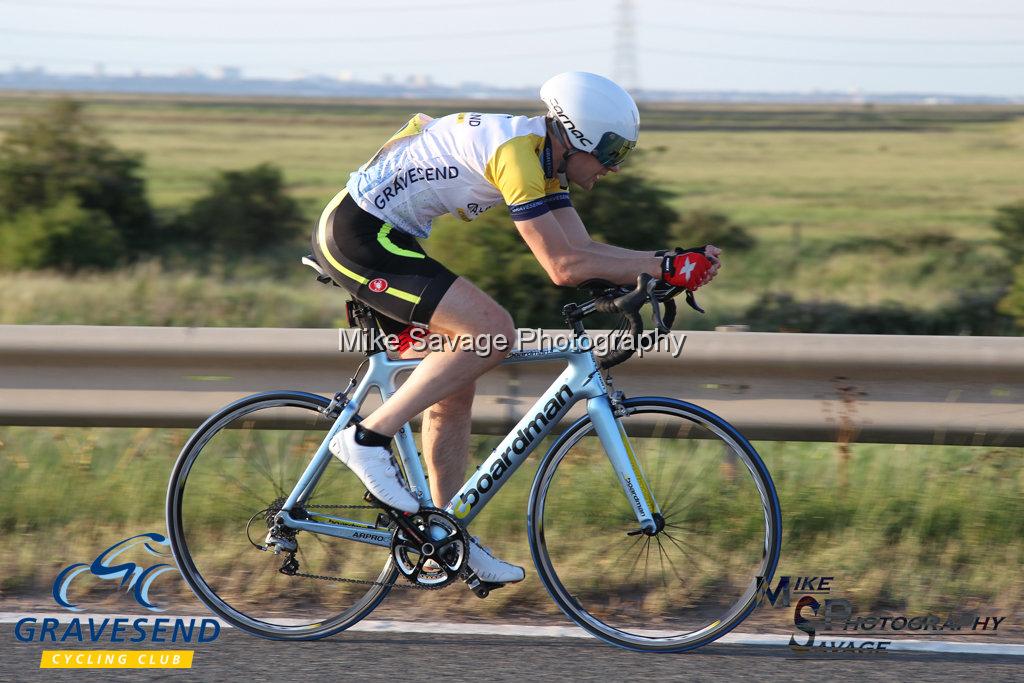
point(700, 574)
point(230, 479)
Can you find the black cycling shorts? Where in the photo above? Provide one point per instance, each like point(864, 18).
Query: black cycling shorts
point(379, 265)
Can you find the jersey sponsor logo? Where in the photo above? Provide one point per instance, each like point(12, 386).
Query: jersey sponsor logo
point(535, 429)
point(413, 175)
point(568, 123)
point(472, 119)
point(471, 211)
point(378, 285)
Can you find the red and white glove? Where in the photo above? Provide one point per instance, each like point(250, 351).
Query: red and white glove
point(686, 268)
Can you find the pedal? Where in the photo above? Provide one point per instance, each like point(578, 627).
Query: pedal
point(481, 588)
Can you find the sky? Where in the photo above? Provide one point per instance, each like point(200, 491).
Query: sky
point(938, 46)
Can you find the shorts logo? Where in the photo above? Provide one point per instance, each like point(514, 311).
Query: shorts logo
point(378, 285)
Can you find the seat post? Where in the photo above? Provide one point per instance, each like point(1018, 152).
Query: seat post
point(360, 315)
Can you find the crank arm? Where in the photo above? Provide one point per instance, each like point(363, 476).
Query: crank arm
point(399, 518)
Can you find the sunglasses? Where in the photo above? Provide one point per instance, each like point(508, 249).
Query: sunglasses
point(613, 149)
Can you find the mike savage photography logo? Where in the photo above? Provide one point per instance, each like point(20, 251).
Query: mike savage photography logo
point(421, 340)
point(832, 625)
point(130, 566)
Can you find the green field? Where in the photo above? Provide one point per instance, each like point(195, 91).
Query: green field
point(911, 528)
point(861, 205)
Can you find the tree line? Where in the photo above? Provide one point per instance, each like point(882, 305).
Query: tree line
point(71, 200)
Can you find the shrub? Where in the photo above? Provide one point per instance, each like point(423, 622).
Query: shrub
point(1009, 223)
point(244, 212)
point(974, 314)
point(628, 211)
point(65, 236)
point(701, 226)
point(57, 154)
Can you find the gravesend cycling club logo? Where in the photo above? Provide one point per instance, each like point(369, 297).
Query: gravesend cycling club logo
point(130, 566)
point(131, 576)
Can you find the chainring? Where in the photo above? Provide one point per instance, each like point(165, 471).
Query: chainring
point(436, 559)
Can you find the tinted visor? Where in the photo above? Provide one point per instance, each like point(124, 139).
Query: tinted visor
point(613, 148)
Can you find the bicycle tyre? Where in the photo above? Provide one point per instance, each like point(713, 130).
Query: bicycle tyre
point(183, 555)
point(639, 638)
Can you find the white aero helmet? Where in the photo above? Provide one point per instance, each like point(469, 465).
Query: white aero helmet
point(597, 115)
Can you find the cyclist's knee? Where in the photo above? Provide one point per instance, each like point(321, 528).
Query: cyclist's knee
point(457, 403)
point(466, 309)
point(501, 323)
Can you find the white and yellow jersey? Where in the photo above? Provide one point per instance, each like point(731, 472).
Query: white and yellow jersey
point(462, 164)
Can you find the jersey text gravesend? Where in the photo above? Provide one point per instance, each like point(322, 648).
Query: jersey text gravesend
point(414, 175)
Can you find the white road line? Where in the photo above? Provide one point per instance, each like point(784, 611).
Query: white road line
point(531, 631)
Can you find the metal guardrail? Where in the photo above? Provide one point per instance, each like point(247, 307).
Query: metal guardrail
point(797, 387)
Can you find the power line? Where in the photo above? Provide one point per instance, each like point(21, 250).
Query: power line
point(333, 40)
point(335, 10)
point(772, 7)
point(836, 39)
point(341, 64)
point(834, 62)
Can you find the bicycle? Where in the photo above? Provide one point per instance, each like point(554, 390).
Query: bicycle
point(648, 481)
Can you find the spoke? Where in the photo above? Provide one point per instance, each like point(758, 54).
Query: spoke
point(681, 548)
point(717, 559)
point(238, 483)
point(284, 457)
point(647, 558)
point(677, 511)
point(261, 464)
point(673, 566)
point(636, 560)
point(628, 548)
point(661, 559)
point(697, 479)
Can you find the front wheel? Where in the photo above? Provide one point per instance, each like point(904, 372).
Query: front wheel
point(696, 578)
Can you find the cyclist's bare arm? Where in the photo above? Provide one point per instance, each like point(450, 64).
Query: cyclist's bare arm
point(569, 256)
point(577, 233)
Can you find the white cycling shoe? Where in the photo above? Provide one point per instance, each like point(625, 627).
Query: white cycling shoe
point(376, 468)
point(490, 569)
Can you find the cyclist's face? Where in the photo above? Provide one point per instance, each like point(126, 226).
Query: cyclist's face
point(584, 169)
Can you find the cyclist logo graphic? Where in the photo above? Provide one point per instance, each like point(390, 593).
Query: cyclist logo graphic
point(134, 577)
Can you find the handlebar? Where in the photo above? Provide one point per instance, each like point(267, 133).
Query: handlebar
point(628, 302)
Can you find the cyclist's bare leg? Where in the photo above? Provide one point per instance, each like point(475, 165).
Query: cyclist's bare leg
point(446, 427)
point(464, 310)
point(446, 378)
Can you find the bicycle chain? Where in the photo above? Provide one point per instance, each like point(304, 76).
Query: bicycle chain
point(343, 579)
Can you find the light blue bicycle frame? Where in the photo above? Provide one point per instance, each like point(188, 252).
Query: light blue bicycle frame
point(580, 380)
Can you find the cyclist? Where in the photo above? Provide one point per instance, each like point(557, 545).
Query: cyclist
point(463, 164)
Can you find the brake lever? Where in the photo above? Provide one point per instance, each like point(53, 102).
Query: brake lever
point(656, 308)
point(692, 301)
